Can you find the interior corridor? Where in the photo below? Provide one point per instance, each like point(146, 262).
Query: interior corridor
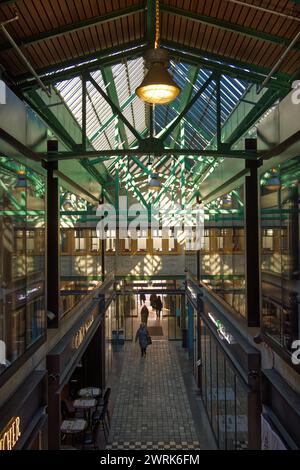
point(152, 409)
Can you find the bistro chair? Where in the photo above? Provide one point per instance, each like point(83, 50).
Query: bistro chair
point(104, 399)
point(98, 418)
point(67, 409)
point(102, 402)
point(91, 438)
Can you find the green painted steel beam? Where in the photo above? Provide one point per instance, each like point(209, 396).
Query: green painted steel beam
point(37, 103)
point(182, 167)
point(226, 65)
point(168, 182)
point(150, 22)
point(86, 63)
point(107, 123)
point(74, 27)
point(223, 152)
point(101, 160)
point(98, 177)
point(161, 162)
point(115, 108)
point(129, 181)
point(169, 129)
point(144, 168)
point(228, 26)
point(110, 87)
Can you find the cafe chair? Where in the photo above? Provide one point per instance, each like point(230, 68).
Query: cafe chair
point(91, 438)
point(67, 409)
point(104, 399)
point(99, 417)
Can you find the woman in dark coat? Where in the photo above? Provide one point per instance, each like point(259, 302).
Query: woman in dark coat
point(142, 335)
point(158, 306)
point(142, 298)
point(153, 300)
point(144, 315)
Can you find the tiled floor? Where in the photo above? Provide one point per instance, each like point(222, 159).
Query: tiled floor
point(152, 409)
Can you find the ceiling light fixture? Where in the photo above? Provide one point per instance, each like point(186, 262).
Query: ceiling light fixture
point(158, 87)
point(273, 183)
point(154, 183)
point(21, 180)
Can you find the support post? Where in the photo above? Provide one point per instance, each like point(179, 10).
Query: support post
point(252, 245)
point(53, 260)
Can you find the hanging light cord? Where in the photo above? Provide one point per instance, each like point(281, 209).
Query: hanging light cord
point(156, 25)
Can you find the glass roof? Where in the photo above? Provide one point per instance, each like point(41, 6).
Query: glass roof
point(196, 131)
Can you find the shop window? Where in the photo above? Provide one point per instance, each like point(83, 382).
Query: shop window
point(20, 241)
point(30, 241)
point(172, 242)
point(205, 241)
point(64, 241)
point(80, 240)
point(157, 240)
point(268, 240)
point(190, 240)
point(110, 241)
point(95, 242)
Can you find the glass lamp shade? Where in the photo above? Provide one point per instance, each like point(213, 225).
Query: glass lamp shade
point(154, 183)
point(227, 201)
point(273, 183)
point(158, 87)
point(21, 181)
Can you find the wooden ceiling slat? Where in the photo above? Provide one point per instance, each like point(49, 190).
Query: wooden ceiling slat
point(245, 44)
point(292, 65)
point(125, 29)
point(70, 16)
point(10, 61)
point(81, 9)
point(219, 41)
point(102, 38)
point(176, 29)
point(82, 43)
point(140, 22)
point(52, 14)
point(113, 33)
point(131, 27)
point(64, 44)
point(38, 16)
point(194, 35)
point(94, 38)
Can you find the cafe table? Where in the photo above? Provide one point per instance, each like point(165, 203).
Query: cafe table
point(90, 392)
point(73, 426)
point(85, 404)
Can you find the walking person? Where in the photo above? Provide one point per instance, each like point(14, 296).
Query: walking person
point(142, 298)
point(158, 306)
point(153, 299)
point(143, 336)
point(144, 315)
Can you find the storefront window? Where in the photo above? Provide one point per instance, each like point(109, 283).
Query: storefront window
point(222, 255)
point(22, 258)
point(279, 202)
point(224, 394)
point(80, 251)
